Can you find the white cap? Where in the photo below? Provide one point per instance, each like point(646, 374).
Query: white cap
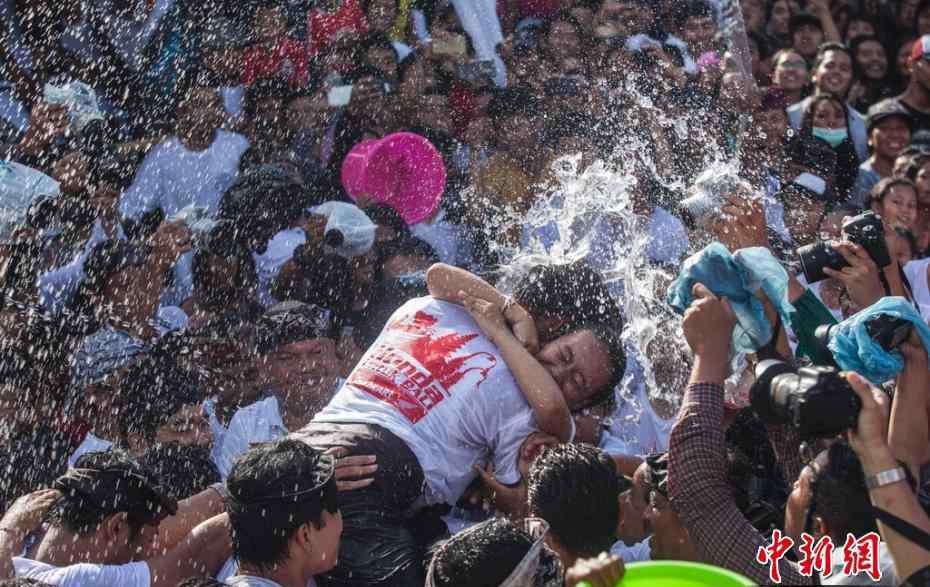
point(349, 232)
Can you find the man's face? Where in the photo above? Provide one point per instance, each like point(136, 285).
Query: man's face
point(189, 427)
point(580, 365)
point(306, 365)
point(773, 125)
point(834, 74)
point(202, 111)
point(325, 543)
point(790, 72)
point(798, 502)
point(889, 137)
point(563, 39)
point(699, 33)
point(308, 113)
point(806, 39)
point(670, 540)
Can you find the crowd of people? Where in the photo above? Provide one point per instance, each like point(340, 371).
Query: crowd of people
point(463, 292)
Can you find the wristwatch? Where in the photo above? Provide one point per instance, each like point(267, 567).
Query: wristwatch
point(886, 477)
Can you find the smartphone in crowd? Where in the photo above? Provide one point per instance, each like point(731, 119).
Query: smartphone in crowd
point(339, 96)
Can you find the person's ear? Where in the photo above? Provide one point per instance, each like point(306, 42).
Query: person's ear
point(114, 526)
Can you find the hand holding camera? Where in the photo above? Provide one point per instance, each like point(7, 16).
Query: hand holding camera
point(870, 435)
point(860, 276)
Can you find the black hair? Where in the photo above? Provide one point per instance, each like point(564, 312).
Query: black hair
point(409, 245)
point(609, 335)
point(807, 123)
point(573, 292)
point(762, 44)
point(574, 488)
point(854, 50)
point(201, 582)
point(881, 189)
point(693, 9)
point(152, 391)
point(274, 489)
point(839, 494)
point(511, 102)
point(385, 215)
point(115, 483)
point(23, 582)
point(825, 48)
point(914, 166)
point(265, 89)
point(246, 277)
point(483, 556)
point(184, 470)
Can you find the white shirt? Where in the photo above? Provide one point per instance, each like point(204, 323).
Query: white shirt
point(445, 238)
point(255, 423)
point(436, 382)
point(172, 177)
point(635, 428)
point(84, 575)
point(885, 566)
point(90, 444)
point(639, 552)
point(916, 273)
point(268, 265)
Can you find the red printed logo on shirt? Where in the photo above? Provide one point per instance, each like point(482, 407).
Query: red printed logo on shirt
point(414, 368)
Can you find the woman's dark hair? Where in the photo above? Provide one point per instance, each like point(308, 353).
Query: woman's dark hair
point(385, 215)
point(183, 470)
point(274, 489)
point(200, 582)
point(881, 189)
point(482, 556)
point(574, 488)
point(854, 46)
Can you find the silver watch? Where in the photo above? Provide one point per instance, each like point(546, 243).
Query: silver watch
point(886, 477)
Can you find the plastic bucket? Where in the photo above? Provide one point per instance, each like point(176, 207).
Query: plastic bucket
point(679, 574)
point(403, 170)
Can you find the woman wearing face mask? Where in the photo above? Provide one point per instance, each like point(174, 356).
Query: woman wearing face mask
point(826, 120)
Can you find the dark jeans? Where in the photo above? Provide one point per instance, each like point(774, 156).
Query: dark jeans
point(383, 541)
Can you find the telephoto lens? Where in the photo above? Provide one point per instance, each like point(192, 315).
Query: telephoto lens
point(817, 401)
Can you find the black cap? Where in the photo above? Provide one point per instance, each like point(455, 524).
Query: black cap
point(802, 18)
point(886, 109)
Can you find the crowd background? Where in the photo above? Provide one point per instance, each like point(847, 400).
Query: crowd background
point(180, 294)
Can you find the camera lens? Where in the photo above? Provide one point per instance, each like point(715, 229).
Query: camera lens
point(815, 257)
point(762, 395)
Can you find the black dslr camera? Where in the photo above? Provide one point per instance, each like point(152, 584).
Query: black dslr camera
point(866, 230)
point(887, 331)
point(816, 401)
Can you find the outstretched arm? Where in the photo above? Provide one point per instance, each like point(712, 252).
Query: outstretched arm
point(448, 283)
point(538, 386)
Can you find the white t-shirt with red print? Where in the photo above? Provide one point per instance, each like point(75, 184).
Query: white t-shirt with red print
point(434, 380)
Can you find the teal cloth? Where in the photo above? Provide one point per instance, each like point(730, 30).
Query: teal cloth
point(737, 277)
point(854, 350)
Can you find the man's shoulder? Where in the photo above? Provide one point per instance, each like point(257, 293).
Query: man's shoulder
point(135, 574)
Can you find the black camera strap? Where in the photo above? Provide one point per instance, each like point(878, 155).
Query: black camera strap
point(904, 528)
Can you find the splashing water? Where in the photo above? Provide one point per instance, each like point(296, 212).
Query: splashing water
point(601, 198)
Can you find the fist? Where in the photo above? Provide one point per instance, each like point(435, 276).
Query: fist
point(708, 323)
